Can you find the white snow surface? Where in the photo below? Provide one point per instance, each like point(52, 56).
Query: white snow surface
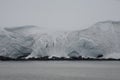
point(32, 41)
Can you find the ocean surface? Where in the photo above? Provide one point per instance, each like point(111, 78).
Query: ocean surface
point(59, 70)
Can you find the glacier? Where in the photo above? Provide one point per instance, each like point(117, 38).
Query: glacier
point(31, 41)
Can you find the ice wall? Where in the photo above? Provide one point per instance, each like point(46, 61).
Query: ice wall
point(30, 41)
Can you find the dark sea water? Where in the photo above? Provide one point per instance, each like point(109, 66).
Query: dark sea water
point(60, 70)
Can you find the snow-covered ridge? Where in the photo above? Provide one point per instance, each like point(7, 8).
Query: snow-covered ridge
point(31, 41)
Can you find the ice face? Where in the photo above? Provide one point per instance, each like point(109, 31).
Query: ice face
point(30, 41)
point(14, 45)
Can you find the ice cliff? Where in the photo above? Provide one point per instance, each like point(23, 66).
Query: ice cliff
point(31, 41)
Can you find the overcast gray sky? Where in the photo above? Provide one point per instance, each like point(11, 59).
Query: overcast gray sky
point(57, 14)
